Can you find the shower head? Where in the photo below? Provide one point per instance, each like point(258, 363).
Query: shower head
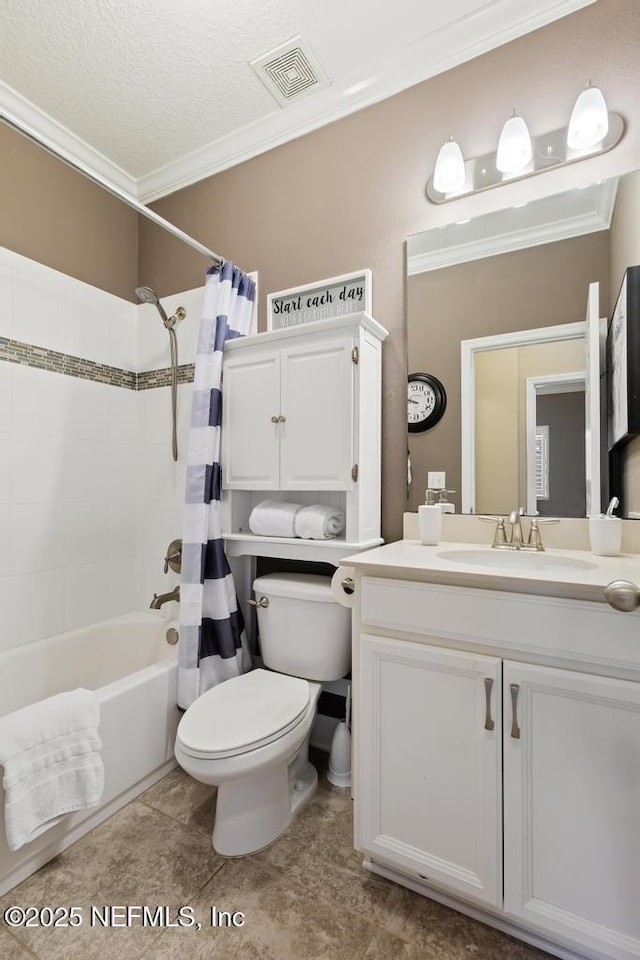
point(147, 295)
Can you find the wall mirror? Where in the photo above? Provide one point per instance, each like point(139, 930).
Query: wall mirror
point(508, 311)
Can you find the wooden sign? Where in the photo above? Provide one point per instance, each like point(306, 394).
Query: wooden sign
point(322, 300)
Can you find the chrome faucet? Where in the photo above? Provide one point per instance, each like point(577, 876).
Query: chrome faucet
point(159, 599)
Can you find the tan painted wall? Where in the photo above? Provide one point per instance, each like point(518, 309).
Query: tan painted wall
point(522, 290)
point(52, 214)
point(348, 195)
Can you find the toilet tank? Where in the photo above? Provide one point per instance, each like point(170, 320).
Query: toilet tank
point(303, 631)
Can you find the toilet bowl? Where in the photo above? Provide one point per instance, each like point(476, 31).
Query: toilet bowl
point(249, 736)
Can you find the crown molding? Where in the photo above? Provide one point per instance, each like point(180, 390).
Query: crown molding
point(597, 216)
point(494, 23)
point(57, 139)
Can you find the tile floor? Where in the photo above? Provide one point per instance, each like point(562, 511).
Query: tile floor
point(304, 898)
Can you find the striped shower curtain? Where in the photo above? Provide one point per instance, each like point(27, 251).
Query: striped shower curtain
point(213, 641)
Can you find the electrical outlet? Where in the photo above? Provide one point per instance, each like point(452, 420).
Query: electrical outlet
point(436, 480)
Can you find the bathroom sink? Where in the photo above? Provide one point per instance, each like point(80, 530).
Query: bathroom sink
point(515, 560)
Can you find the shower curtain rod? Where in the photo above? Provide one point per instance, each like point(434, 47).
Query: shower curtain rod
point(131, 201)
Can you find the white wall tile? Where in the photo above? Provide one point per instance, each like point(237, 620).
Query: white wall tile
point(86, 409)
point(6, 302)
point(6, 462)
point(123, 415)
point(154, 416)
point(152, 339)
point(7, 634)
point(38, 312)
point(36, 606)
point(37, 539)
point(123, 529)
point(40, 402)
point(123, 338)
point(121, 594)
point(159, 477)
point(5, 540)
point(86, 591)
point(37, 469)
point(6, 370)
point(86, 329)
point(86, 471)
point(158, 524)
point(87, 536)
point(121, 471)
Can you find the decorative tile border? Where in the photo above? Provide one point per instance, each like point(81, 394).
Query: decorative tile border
point(25, 354)
point(149, 379)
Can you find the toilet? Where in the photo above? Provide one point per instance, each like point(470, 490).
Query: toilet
point(249, 736)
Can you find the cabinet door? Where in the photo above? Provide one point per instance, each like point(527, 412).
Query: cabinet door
point(251, 397)
point(429, 774)
point(572, 806)
point(316, 450)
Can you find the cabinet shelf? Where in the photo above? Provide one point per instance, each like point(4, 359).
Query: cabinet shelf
point(293, 548)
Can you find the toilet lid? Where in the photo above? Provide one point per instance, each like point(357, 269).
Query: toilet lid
point(242, 714)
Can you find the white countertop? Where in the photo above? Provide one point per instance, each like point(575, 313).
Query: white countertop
point(412, 560)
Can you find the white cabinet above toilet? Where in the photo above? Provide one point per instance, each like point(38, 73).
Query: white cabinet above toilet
point(302, 423)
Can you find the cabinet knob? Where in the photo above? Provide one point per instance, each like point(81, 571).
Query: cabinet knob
point(622, 595)
point(274, 419)
point(281, 419)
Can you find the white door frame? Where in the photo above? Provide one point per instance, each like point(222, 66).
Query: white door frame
point(539, 386)
point(468, 350)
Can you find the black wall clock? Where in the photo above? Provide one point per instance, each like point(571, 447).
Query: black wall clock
point(426, 402)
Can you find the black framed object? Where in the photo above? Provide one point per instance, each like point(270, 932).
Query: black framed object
point(623, 363)
point(426, 402)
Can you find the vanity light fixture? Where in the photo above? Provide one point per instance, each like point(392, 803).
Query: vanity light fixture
point(514, 146)
point(589, 122)
point(449, 173)
point(591, 130)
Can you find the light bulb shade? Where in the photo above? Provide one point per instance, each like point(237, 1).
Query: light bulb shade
point(514, 146)
point(589, 121)
point(449, 174)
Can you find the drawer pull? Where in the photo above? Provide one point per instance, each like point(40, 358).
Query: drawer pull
point(488, 722)
point(515, 729)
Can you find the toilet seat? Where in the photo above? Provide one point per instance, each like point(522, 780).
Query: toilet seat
point(242, 714)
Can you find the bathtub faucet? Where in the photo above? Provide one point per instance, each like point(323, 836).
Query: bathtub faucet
point(159, 599)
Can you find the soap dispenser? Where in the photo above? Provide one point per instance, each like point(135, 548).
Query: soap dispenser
point(445, 504)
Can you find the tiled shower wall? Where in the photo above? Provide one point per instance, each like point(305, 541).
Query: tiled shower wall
point(89, 494)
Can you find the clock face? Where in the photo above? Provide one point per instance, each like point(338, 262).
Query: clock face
point(426, 401)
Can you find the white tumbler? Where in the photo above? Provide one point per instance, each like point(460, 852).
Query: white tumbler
point(605, 536)
point(430, 523)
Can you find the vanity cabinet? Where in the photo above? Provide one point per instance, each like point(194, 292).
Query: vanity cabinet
point(430, 761)
point(497, 761)
point(301, 422)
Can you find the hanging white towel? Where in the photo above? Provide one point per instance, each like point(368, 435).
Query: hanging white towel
point(50, 752)
point(273, 518)
point(319, 522)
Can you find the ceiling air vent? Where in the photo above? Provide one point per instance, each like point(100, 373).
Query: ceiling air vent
point(289, 71)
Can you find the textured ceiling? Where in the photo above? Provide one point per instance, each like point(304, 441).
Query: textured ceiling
point(147, 82)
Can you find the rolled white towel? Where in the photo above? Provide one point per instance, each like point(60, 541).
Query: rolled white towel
point(273, 518)
point(319, 522)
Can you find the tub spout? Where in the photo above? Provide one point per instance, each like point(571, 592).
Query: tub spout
point(159, 599)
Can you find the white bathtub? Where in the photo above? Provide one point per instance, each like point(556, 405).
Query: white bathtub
point(133, 670)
